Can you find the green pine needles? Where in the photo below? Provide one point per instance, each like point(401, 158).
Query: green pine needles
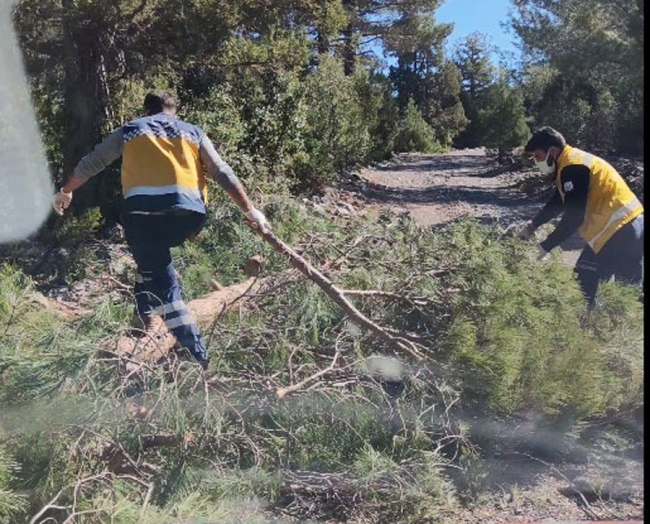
point(503, 335)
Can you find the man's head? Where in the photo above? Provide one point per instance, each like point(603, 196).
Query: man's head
point(545, 146)
point(159, 102)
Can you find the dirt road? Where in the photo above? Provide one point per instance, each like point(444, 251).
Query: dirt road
point(437, 189)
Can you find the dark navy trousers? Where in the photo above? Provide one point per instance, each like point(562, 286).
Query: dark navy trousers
point(157, 289)
point(621, 257)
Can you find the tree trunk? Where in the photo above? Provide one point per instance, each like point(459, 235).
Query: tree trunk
point(322, 43)
point(350, 39)
point(349, 51)
point(82, 101)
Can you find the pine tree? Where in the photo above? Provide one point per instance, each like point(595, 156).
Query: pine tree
point(501, 122)
point(594, 82)
point(472, 57)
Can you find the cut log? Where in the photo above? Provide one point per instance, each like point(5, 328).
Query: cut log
point(156, 344)
point(206, 309)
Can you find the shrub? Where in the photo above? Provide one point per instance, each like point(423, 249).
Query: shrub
point(414, 134)
point(337, 133)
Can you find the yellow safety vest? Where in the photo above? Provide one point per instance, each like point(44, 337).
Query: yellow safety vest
point(161, 165)
point(610, 202)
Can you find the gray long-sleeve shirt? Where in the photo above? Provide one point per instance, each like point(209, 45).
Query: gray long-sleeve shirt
point(112, 147)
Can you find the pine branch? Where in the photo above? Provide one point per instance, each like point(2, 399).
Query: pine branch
point(397, 342)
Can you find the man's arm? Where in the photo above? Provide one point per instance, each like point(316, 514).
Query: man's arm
point(552, 209)
point(548, 213)
point(102, 155)
point(223, 174)
point(575, 183)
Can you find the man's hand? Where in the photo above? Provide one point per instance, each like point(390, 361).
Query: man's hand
point(542, 254)
point(258, 219)
point(61, 202)
point(526, 232)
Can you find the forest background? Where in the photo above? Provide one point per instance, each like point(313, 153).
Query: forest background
point(295, 91)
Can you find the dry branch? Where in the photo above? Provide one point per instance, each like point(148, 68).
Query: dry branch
point(77, 486)
point(283, 392)
point(420, 301)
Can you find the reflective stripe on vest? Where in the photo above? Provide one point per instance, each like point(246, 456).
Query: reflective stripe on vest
point(162, 190)
point(610, 202)
point(618, 215)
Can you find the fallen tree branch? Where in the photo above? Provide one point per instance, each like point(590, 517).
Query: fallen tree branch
point(420, 301)
point(203, 310)
point(338, 296)
point(50, 505)
point(77, 486)
point(283, 392)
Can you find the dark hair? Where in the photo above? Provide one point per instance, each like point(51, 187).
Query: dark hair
point(545, 138)
point(159, 101)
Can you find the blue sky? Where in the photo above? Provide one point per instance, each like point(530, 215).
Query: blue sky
point(468, 16)
point(484, 16)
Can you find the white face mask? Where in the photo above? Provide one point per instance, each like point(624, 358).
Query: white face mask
point(544, 167)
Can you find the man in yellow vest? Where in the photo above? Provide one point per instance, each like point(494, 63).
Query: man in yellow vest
point(164, 162)
point(598, 203)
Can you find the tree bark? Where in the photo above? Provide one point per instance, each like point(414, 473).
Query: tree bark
point(82, 100)
point(349, 52)
point(349, 39)
point(155, 346)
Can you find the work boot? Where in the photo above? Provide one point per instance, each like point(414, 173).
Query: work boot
point(147, 324)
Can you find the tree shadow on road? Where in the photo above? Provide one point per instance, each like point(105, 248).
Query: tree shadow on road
point(436, 163)
point(497, 201)
point(505, 197)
